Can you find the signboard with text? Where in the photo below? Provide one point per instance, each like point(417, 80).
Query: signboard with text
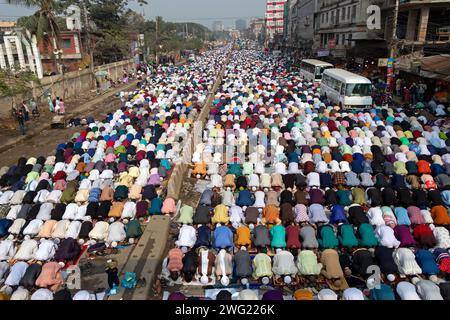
point(323, 53)
point(382, 62)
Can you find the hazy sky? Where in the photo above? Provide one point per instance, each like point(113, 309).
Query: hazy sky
point(201, 11)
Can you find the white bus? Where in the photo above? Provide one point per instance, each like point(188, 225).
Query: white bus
point(312, 70)
point(346, 89)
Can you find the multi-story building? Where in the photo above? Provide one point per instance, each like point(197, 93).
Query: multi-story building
point(19, 49)
point(342, 29)
point(70, 53)
point(301, 26)
point(422, 25)
point(218, 26)
point(275, 16)
point(256, 28)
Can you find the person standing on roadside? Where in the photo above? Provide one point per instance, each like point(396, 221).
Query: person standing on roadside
point(413, 92)
point(398, 87)
point(62, 108)
point(421, 91)
point(51, 106)
point(26, 111)
point(34, 108)
point(20, 116)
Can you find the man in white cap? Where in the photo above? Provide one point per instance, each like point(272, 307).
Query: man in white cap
point(42, 294)
point(247, 294)
point(206, 260)
point(20, 294)
point(284, 265)
point(352, 294)
point(407, 291)
point(427, 289)
point(187, 236)
point(327, 294)
point(224, 267)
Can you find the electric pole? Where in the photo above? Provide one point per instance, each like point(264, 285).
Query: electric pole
point(392, 48)
point(88, 38)
point(393, 41)
point(156, 40)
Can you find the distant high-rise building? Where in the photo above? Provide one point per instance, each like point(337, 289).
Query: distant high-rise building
point(218, 26)
point(256, 27)
point(241, 24)
point(275, 17)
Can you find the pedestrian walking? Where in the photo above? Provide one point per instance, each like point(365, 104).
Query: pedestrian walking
point(20, 117)
point(51, 106)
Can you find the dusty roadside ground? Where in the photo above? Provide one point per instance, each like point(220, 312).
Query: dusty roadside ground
point(44, 141)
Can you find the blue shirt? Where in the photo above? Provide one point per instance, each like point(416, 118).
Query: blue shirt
point(4, 226)
point(223, 238)
point(204, 237)
point(338, 214)
point(402, 216)
point(426, 261)
point(245, 198)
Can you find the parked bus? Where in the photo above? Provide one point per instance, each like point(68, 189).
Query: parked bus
point(312, 70)
point(346, 89)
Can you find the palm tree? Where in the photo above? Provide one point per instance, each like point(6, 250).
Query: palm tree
point(43, 23)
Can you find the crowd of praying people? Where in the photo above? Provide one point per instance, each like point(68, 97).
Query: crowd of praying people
point(329, 203)
point(98, 189)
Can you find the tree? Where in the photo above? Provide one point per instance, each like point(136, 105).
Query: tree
point(43, 23)
point(14, 83)
point(110, 20)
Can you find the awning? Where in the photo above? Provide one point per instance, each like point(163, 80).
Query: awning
point(436, 67)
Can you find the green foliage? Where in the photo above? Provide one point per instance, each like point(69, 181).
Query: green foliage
point(113, 27)
point(15, 83)
point(44, 22)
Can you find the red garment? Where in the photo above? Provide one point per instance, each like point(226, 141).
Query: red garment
point(308, 167)
point(347, 157)
point(332, 126)
point(68, 152)
point(126, 143)
point(444, 266)
point(140, 155)
point(293, 237)
point(60, 175)
point(423, 167)
point(416, 134)
point(424, 236)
